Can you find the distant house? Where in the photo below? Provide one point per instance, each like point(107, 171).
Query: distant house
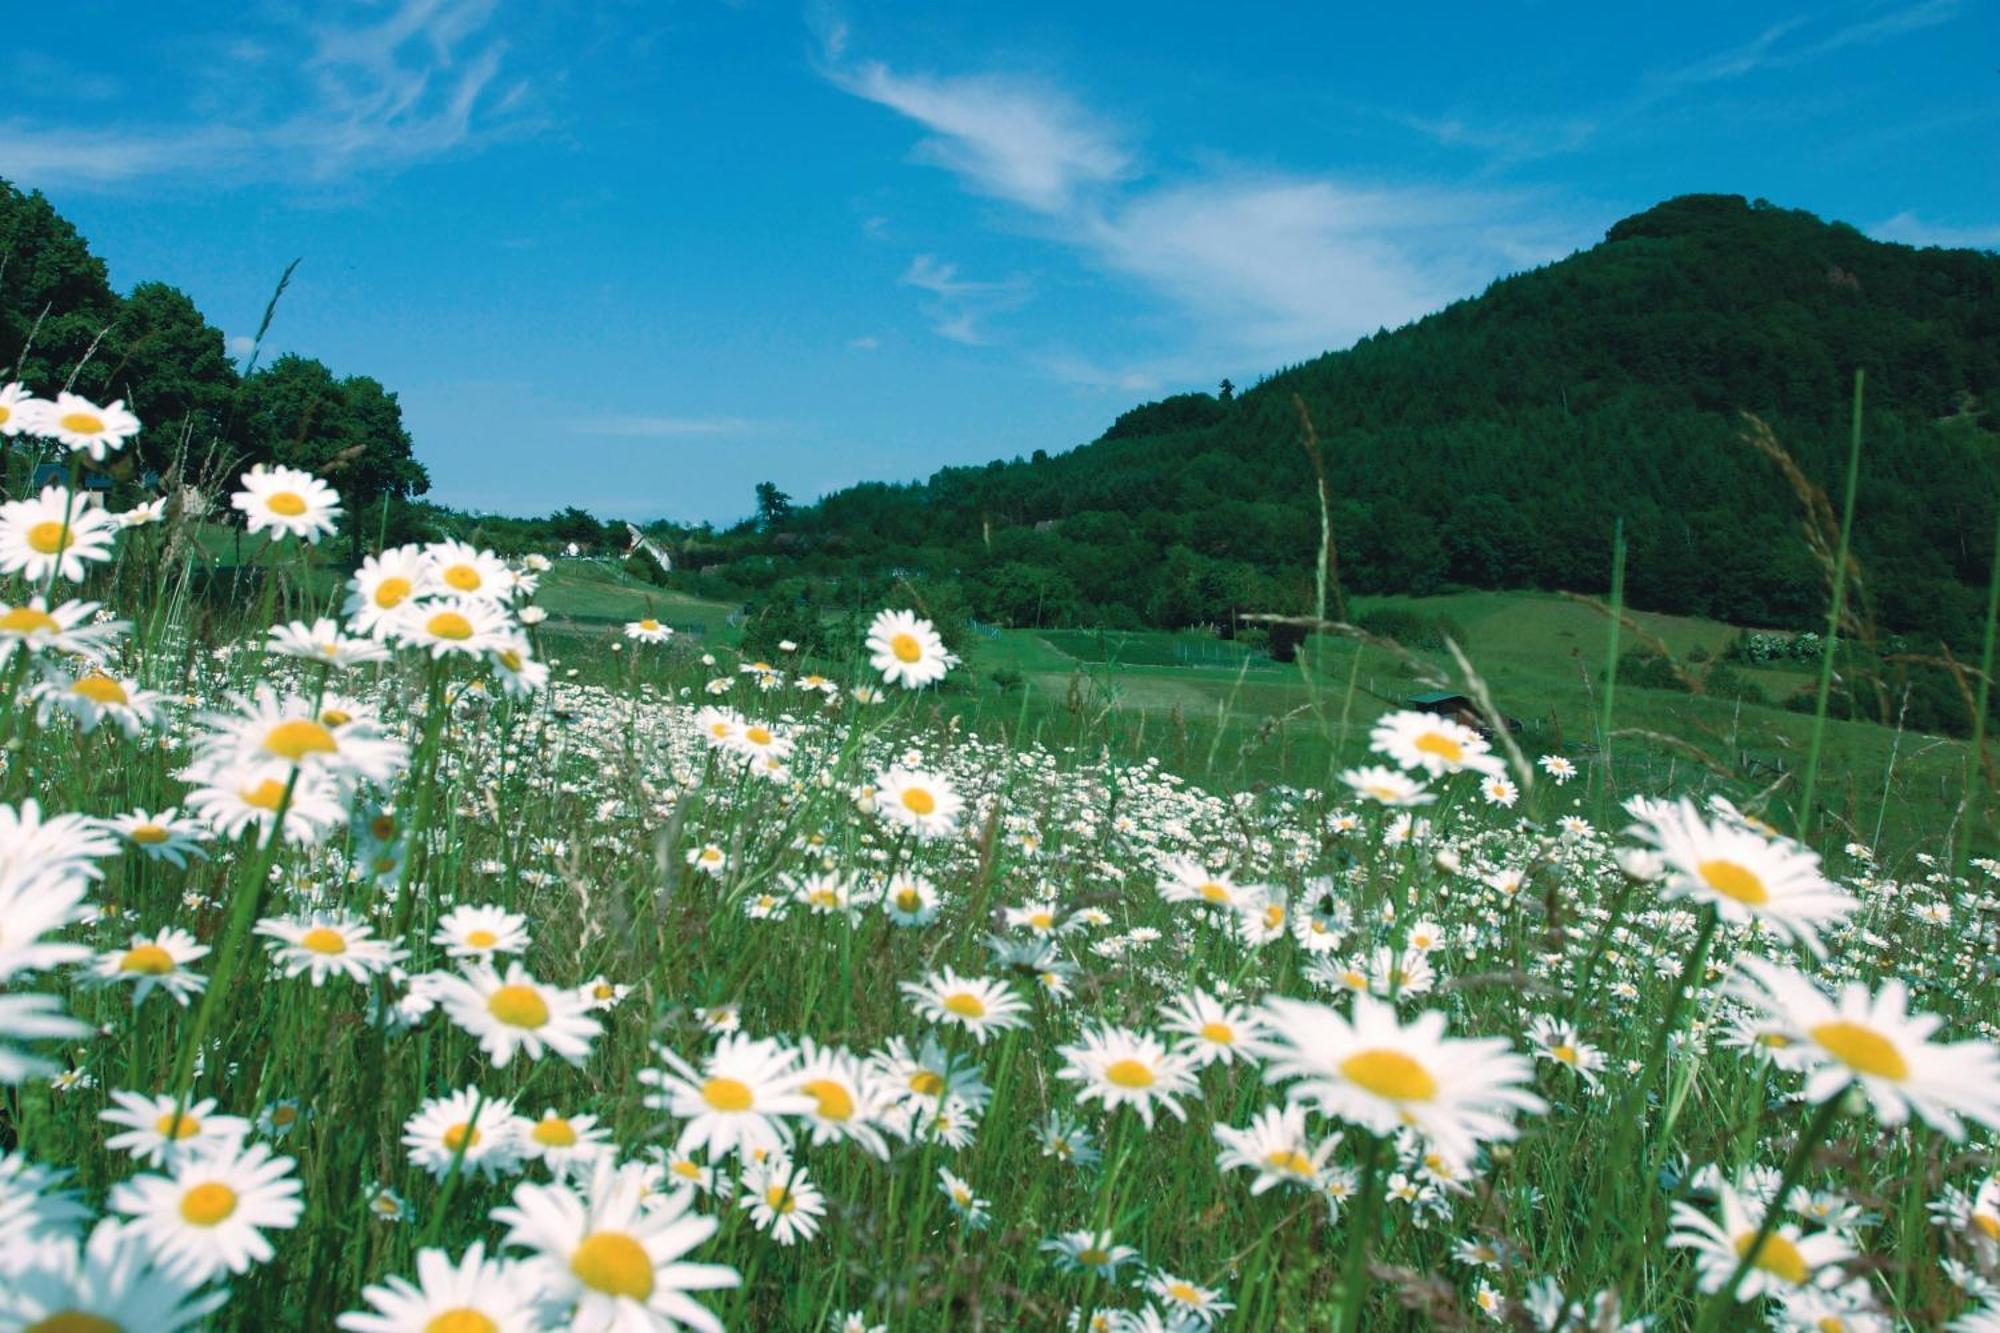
point(1458, 707)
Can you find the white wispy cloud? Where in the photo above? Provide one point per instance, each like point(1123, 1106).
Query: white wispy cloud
point(1005, 136)
point(1909, 229)
point(959, 307)
point(311, 104)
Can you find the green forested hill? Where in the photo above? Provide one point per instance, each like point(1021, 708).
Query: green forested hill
point(1494, 443)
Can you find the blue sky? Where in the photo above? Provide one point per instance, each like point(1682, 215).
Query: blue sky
point(641, 256)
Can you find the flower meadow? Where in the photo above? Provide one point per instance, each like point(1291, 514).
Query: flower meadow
point(365, 965)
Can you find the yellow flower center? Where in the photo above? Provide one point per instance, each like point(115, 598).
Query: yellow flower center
point(149, 959)
point(1732, 880)
point(449, 625)
point(324, 940)
point(555, 1132)
point(482, 939)
point(1987, 1225)
point(286, 504)
point(1862, 1049)
point(1776, 1256)
point(101, 689)
point(1130, 1074)
point(149, 835)
point(463, 577)
point(266, 795)
point(1094, 1257)
point(511, 659)
point(1220, 1033)
point(1565, 1053)
point(615, 1264)
point(687, 1169)
point(464, 1319)
point(1390, 1074)
point(1289, 1159)
point(965, 1004)
point(49, 537)
point(918, 801)
point(1214, 892)
point(1041, 920)
point(778, 1198)
point(284, 1115)
point(27, 620)
point(649, 625)
point(187, 1129)
point(1274, 916)
point(390, 592)
point(518, 1006)
point(757, 735)
point(728, 1094)
point(906, 648)
point(1184, 1292)
point(908, 900)
point(461, 1135)
point(208, 1204)
point(834, 1101)
point(298, 737)
point(926, 1083)
point(1441, 745)
point(72, 1321)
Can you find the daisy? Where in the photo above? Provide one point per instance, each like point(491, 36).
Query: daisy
point(31, 1017)
point(475, 1295)
point(1558, 1042)
point(906, 650)
point(1276, 1146)
point(270, 728)
point(1182, 1297)
point(159, 961)
point(69, 629)
point(467, 571)
point(1093, 1252)
point(1437, 745)
point(850, 1099)
point(516, 1013)
point(144, 514)
point(34, 905)
point(1557, 767)
point(755, 740)
point(159, 1127)
point(323, 642)
point(910, 900)
point(382, 585)
point(1186, 881)
point(83, 427)
point(95, 696)
point(1785, 1262)
point(1743, 874)
point(922, 802)
point(931, 1074)
point(648, 630)
point(709, 859)
point(1379, 1074)
point(563, 1143)
point(719, 726)
point(19, 410)
point(109, 1281)
point(601, 993)
point(467, 931)
point(782, 1199)
point(1498, 789)
point(1211, 1031)
point(736, 1101)
point(288, 501)
point(1874, 1041)
point(981, 1006)
point(612, 1256)
point(1386, 786)
point(447, 625)
point(164, 836)
point(325, 943)
point(971, 1209)
point(480, 1133)
point(1121, 1067)
point(514, 661)
point(53, 535)
point(235, 797)
point(210, 1215)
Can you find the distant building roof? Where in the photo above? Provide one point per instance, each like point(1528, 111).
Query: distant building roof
point(57, 474)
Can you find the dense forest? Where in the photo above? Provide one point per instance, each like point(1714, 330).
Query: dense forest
point(1493, 445)
point(206, 417)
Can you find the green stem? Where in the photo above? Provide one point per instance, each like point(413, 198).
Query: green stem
point(1353, 1268)
point(1833, 617)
